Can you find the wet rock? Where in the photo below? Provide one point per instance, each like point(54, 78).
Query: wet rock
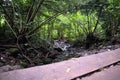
point(61, 45)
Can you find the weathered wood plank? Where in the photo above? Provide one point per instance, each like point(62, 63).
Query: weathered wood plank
point(65, 70)
point(109, 74)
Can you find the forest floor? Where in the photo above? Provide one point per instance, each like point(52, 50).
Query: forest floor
point(11, 63)
point(75, 52)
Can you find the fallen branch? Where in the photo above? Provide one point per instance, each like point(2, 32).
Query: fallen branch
point(8, 46)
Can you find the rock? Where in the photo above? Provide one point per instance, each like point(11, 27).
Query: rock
point(9, 68)
point(108, 50)
point(109, 47)
point(60, 45)
point(77, 79)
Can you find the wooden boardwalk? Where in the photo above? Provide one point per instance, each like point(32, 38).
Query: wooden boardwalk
point(112, 73)
point(70, 69)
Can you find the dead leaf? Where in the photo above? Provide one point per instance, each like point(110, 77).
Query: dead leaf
point(74, 59)
point(68, 70)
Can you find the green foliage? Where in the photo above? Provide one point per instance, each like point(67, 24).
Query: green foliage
point(2, 21)
point(33, 25)
point(59, 19)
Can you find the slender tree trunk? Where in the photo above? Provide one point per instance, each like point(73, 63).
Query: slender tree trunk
point(100, 11)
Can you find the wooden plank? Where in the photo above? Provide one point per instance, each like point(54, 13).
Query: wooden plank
point(112, 73)
point(65, 70)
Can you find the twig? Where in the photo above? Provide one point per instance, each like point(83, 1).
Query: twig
point(35, 11)
point(50, 18)
point(10, 27)
point(19, 47)
point(8, 46)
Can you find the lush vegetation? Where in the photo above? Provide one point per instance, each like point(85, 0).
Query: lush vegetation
point(30, 26)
